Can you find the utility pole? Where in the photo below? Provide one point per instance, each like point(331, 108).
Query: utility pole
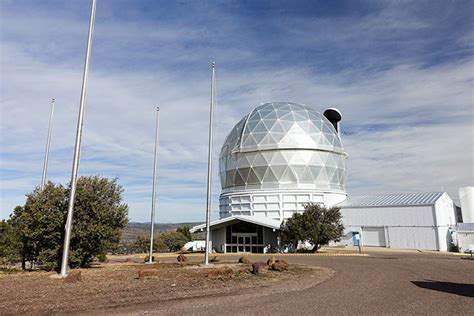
point(77, 148)
point(48, 142)
point(153, 194)
point(209, 168)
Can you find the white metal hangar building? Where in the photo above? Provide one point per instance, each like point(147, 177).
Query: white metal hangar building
point(277, 158)
point(409, 220)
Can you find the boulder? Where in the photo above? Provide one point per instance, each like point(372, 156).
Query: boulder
point(280, 265)
point(244, 260)
point(221, 273)
point(182, 258)
point(73, 277)
point(259, 267)
point(271, 261)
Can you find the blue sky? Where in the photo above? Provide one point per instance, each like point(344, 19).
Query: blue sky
point(401, 73)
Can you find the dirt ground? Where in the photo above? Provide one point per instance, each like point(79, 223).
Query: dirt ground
point(116, 285)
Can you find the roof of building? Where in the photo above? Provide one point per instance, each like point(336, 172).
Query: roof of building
point(465, 227)
point(382, 200)
point(287, 125)
point(262, 221)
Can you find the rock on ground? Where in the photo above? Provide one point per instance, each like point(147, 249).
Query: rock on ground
point(259, 267)
point(271, 261)
point(244, 260)
point(280, 265)
point(182, 258)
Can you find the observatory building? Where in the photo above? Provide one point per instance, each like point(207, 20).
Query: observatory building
point(283, 155)
point(276, 158)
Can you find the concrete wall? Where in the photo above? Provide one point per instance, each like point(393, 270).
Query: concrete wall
point(218, 239)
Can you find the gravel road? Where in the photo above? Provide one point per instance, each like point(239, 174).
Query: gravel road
point(380, 284)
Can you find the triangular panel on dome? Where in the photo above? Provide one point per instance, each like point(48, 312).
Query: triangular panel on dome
point(239, 180)
point(264, 112)
point(259, 137)
point(269, 123)
point(306, 176)
point(277, 128)
point(322, 176)
point(328, 129)
point(298, 171)
point(260, 160)
point(286, 116)
point(243, 162)
point(260, 128)
point(270, 177)
point(270, 115)
point(252, 177)
point(288, 176)
point(230, 177)
point(278, 159)
point(278, 170)
point(296, 158)
point(315, 170)
point(260, 172)
point(249, 141)
point(330, 161)
point(278, 137)
point(316, 159)
point(300, 116)
point(268, 140)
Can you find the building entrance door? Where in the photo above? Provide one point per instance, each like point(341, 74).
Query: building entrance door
point(244, 242)
point(244, 237)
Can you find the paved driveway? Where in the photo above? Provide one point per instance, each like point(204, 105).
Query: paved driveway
point(380, 284)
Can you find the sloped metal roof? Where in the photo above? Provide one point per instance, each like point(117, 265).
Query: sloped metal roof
point(262, 221)
point(465, 227)
point(401, 199)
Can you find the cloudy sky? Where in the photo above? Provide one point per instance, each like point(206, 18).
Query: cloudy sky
point(402, 74)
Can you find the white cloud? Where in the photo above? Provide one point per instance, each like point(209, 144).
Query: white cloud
point(409, 125)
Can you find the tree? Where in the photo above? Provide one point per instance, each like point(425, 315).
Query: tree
point(172, 241)
point(9, 244)
point(186, 231)
point(317, 225)
point(292, 231)
point(99, 216)
point(39, 225)
point(322, 225)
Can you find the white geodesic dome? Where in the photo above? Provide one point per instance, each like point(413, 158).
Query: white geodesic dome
point(283, 145)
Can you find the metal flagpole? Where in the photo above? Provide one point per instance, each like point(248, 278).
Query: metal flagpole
point(209, 169)
point(77, 148)
point(48, 142)
point(153, 194)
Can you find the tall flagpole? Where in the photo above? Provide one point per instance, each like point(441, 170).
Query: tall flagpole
point(209, 168)
point(48, 142)
point(153, 194)
point(77, 148)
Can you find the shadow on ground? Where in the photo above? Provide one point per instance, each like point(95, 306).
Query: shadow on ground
point(462, 289)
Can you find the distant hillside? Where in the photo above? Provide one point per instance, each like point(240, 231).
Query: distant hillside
point(133, 230)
